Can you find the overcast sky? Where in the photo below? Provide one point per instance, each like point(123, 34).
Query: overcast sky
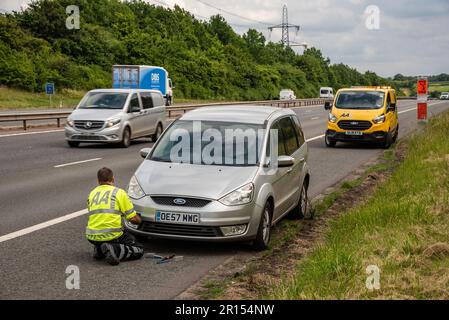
point(413, 37)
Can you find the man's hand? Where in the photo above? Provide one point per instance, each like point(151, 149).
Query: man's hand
point(136, 220)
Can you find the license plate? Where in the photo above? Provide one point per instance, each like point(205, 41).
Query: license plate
point(177, 217)
point(354, 133)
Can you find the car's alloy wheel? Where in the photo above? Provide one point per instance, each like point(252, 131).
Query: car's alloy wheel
point(126, 140)
point(264, 230)
point(157, 134)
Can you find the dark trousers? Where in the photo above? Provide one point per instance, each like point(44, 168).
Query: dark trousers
point(126, 247)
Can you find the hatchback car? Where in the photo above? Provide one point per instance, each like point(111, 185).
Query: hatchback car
point(116, 116)
point(222, 174)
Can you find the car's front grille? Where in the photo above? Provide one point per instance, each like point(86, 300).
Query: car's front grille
point(180, 229)
point(88, 125)
point(354, 125)
point(88, 138)
point(179, 201)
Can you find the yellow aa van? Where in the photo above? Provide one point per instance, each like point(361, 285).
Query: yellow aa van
point(365, 114)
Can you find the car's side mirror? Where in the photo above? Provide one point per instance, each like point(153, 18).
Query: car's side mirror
point(285, 161)
point(145, 152)
point(327, 105)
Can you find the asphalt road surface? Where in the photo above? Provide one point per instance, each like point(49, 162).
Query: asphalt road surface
point(39, 182)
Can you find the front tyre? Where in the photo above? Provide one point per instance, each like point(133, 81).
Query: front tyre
point(73, 144)
point(126, 139)
point(329, 142)
point(264, 230)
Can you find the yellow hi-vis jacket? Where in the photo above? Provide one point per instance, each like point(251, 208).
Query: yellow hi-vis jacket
point(107, 205)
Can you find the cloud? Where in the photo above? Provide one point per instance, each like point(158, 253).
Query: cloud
point(413, 37)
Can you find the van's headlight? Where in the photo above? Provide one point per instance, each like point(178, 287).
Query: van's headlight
point(112, 122)
point(379, 119)
point(240, 196)
point(332, 118)
point(134, 189)
point(70, 123)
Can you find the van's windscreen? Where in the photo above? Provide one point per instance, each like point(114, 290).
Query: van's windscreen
point(324, 91)
point(104, 100)
point(360, 100)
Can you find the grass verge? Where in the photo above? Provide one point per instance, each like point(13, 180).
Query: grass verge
point(402, 228)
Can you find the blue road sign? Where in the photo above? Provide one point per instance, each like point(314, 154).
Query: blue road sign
point(50, 88)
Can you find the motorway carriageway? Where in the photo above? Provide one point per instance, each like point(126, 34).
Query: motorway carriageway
point(43, 189)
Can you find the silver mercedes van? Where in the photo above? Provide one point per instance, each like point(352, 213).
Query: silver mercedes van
point(116, 116)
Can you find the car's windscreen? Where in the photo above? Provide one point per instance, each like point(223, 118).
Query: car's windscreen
point(210, 143)
point(104, 100)
point(360, 100)
point(324, 91)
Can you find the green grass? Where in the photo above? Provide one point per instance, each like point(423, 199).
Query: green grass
point(402, 229)
point(11, 99)
point(19, 99)
point(439, 86)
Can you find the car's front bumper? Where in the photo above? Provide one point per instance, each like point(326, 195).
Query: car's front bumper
point(212, 216)
point(105, 135)
point(377, 136)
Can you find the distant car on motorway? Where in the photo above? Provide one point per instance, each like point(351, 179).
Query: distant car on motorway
point(444, 96)
point(256, 176)
point(116, 116)
point(287, 94)
point(326, 93)
point(363, 114)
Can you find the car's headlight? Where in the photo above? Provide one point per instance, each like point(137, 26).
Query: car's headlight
point(70, 123)
point(332, 118)
point(379, 119)
point(112, 122)
point(240, 196)
point(134, 189)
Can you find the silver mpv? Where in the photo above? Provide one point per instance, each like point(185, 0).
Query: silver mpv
point(116, 116)
point(222, 174)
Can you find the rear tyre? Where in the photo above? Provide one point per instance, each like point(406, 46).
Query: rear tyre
point(329, 142)
point(301, 211)
point(126, 139)
point(264, 231)
point(157, 134)
point(73, 144)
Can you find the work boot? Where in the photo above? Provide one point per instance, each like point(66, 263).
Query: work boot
point(98, 254)
point(109, 252)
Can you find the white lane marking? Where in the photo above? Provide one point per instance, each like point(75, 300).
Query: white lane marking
point(315, 138)
point(76, 162)
point(414, 108)
point(42, 225)
point(29, 133)
point(314, 118)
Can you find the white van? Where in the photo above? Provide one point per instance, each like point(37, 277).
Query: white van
point(287, 94)
point(326, 93)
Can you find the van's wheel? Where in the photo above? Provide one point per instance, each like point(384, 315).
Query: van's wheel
point(126, 139)
point(388, 141)
point(157, 134)
point(329, 142)
point(396, 134)
point(264, 230)
point(73, 144)
point(302, 211)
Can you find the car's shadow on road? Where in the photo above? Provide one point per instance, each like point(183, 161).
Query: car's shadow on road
point(196, 248)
